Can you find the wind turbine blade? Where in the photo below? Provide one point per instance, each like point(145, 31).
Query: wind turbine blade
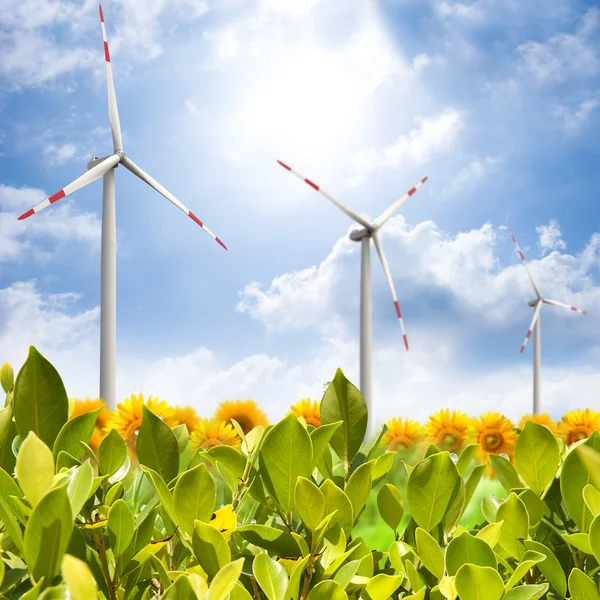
point(573, 308)
point(342, 207)
point(387, 214)
point(127, 162)
point(536, 314)
point(390, 281)
point(113, 113)
point(94, 173)
point(535, 287)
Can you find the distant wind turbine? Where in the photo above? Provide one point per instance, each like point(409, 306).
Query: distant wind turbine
point(535, 327)
point(368, 232)
point(105, 167)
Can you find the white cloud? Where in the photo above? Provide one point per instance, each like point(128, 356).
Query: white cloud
point(468, 178)
point(191, 108)
point(574, 118)
point(459, 10)
point(57, 155)
point(433, 135)
point(550, 237)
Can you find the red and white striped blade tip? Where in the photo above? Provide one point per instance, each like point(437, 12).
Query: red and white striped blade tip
point(284, 165)
point(526, 340)
point(194, 218)
point(406, 342)
point(51, 200)
point(101, 13)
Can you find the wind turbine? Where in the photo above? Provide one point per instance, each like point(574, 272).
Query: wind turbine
point(105, 167)
point(535, 327)
point(368, 232)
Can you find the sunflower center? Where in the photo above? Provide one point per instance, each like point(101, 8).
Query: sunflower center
point(450, 438)
point(492, 441)
point(246, 422)
point(578, 433)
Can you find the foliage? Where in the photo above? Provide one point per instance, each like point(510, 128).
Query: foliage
point(293, 501)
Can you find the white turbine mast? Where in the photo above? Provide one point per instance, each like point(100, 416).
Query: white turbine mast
point(535, 328)
point(105, 167)
point(368, 232)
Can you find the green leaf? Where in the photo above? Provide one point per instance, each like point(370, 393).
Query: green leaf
point(8, 432)
point(40, 401)
point(430, 552)
point(194, 497)
point(285, 455)
point(210, 548)
point(120, 526)
point(320, 437)
point(479, 583)
point(580, 468)
point(550, 567)
point(359, 486)
point(180, 589)
point(507, 474)
point(11, 525)
point(581, 541)
point(328, 590)
point(465, 458)
point(383, 464)
point(591, 497)
point(276, 541)
point(516, 525)
point(473, 482)
point(7, 377)
point(79, 578)
point(526, 592)
point(582, 587)
point(382, 586)
point(537, 456)
point(80, 486)
point(390, 505)
point(163, 493)
point(337, 500)
point(595, 538)
point(468, 549)
point(489, 508)
point(343, 402)
point(310, 502)
point(157, 446)
point(432, 488)
point(535, 507)
point(292, 591)
point(47, 534)
point(80, 428)
point(35, 468)
point(529, 560)
point(271, 576)
point(112, 453)
point(225, 580)
point(182, 435)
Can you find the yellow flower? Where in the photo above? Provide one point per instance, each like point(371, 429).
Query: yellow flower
point(209, 433)
point(309, 410)
point(542, 419)
point(496, 435)
point(402, 434)
point(447, 430)
point(579, 424)
point(127, 418)
point(84, 406)
point(187, 416)
point(245, 412)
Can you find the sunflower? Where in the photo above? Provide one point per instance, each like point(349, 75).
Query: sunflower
point(309, 410)
point(127, 418)
point(401, 434)
point(187, 416)
point(84, 406)
point(579, 424)
point(542, 419)
point(209, 433)
point(447, 430)
point(245, 412)
point(496, 435)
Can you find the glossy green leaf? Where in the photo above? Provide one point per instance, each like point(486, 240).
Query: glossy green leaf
point(120, 526)
point(112, 453)
point(285, 455)
point(591, 497)
point(225, 580)
point(310, 502)
point(80, 486)
point(157, 446)
point(550, 567)
point(292, 591)
point(390, 505)
point(343, 402)
point(430, 552)
point(11, 525)
point(383, 464)
point(182, 436)
point(359, 486)
point(180, 589)
point(8, 432)
point(432, 488)
point(271, 576)
point(526, 592)
point(163, 493)
point(594, 537)
point(529, 560)
point(581, 587)
point(78, 429)
point(469, 549)
point(465, 458)
point(382, 586)
point(534, 506)
point(210, 548)
point(516, 525)
point(7, 377)
point(79, 578)
point(336, 500)
point(276, 541)
point(479, 583)
point(320, 437)
point(489, 508)
point(507, 474)
point(581, 541)
point(194, 497)
point(35, 468)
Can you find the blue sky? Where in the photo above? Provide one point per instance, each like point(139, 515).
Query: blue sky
point(497, 102)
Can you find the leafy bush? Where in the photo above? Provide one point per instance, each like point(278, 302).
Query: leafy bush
point(82, 524)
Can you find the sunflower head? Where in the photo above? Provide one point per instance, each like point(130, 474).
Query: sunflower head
point(309, 410)
point(448, 430)
point(579, 424)
point(402, 434)
point(542, 419)
point(187, 416)
point(495, 434)
point(209, 433)
point(127, 418)
point(88, 405)
point(245, 412)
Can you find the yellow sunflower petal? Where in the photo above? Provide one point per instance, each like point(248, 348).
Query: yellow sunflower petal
point(309, 410)
point(401, 434)
point(245, 412)
point(88, 405)
point(448, 430)
point(209, 433)
point(496, 434)
point(542, 419)
point(579, 424)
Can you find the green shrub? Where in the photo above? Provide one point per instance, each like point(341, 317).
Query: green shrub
point(281, 518)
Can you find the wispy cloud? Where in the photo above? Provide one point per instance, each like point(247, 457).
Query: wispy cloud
point(573, 118)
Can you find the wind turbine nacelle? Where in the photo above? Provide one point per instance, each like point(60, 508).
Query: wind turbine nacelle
point(96, 161)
